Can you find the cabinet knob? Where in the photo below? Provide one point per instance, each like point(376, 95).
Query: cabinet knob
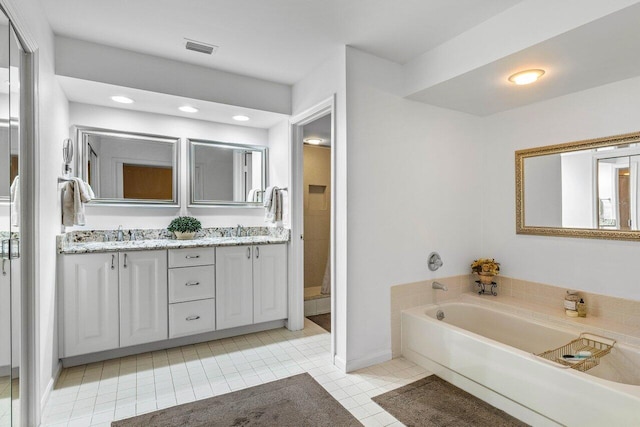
point(192, 256)
point(192, 283)
point(190, 318)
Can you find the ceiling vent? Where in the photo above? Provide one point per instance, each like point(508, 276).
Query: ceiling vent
point(200, 47)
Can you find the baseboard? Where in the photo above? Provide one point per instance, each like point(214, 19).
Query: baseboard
point(340, 363)
point(170, 343)
point(364, 362)
point(50, 385)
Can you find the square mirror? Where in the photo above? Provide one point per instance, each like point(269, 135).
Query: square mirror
point(226, 174)
point(127, 167)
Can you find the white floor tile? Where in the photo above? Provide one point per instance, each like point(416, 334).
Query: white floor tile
point(96, 394)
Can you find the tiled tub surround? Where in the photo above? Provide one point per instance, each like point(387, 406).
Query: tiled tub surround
point(77, 242)
point(617, 318)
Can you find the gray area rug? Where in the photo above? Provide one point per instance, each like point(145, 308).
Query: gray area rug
point(323, 320)
point(293, 401)
point(433, 402)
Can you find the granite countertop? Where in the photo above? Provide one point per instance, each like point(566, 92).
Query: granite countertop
point(92, 241)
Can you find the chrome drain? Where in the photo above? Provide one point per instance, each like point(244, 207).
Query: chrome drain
point(440, 315)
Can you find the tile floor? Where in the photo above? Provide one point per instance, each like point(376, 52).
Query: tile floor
point(96, 394)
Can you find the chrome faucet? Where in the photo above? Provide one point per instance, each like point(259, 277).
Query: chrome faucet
point(438, 285)
point(120, 237)
point(239, 230)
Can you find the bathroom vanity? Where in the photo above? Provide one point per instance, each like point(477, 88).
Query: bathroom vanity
point(141, 295)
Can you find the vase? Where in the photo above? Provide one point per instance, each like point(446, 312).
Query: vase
point(184, 235)
point(485, 279)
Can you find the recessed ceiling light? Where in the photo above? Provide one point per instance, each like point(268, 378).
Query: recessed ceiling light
point(188, 109)
point(526, 77)
point(314, 141)
point(240, 118)
point(122, 99)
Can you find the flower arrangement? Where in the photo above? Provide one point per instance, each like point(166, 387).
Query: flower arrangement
point(184, 227)
point(486, 267)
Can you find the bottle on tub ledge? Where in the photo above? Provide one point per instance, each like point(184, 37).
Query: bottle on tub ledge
point(582, 308)
point(571, 304)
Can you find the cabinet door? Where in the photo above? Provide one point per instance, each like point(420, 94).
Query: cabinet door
point(90, 303)
point(269, 283)
point(143, 297)
point(234, 287)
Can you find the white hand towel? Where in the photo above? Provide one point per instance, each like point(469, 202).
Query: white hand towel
point(76, 194)
point(268, 197)
point(15, 202)
point(252, 195)
point(274, 210)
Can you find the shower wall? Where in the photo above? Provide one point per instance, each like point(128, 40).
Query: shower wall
point(317, 213)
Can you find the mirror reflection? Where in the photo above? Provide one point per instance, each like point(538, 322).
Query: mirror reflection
point(8, 163)
point(125, 167)
point(225, 173)
point(590, 187)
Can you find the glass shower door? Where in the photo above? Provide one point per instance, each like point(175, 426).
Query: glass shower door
point(10, 63)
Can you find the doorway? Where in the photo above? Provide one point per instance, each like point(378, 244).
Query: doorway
point(316, 185)
point(320, 196)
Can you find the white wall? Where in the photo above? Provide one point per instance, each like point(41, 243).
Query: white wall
point(414, 183)
point(599, 266)
point(329, 80)
point(577, 190)
point(543, 191)
point(102, 217)
point(52, 129)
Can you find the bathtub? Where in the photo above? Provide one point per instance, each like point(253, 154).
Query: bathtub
point(490, 354)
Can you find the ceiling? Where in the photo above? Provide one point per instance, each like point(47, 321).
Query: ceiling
point(600, 52)
point(96, 93)
point(276, 40)
point(319, 128)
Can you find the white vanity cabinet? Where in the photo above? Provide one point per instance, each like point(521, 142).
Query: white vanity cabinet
point(143, 297)
point(192, 291)
point(90, 314)
point(251, 285)
point(112, 300)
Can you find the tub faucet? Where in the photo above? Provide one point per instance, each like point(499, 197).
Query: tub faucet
point(438, 285)
point(239, 230)
point(120, 237)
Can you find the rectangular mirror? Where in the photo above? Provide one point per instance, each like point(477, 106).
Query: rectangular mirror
point(127, 167)
point(226, 174)
point(580, 189)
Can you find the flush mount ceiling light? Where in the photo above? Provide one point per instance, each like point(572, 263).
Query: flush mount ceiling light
point(314, 141)
point(122, 99)
point(526, 77)
point(240, 118)
point(188, 109)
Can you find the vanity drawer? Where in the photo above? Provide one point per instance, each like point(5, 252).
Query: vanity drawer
point(194, 317)
point(192, 283)
point(191, 257)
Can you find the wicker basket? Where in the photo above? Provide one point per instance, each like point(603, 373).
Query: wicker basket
point(597, 345)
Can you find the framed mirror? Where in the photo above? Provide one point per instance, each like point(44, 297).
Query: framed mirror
point(580, 189)
point(223, 173)
point(127, 167)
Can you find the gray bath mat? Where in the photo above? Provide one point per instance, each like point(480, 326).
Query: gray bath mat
point(433, 402)
point(293, 401)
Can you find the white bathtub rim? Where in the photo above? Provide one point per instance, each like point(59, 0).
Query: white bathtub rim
point(419, 312)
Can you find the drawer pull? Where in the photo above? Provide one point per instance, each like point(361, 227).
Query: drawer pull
point(192, 256)
point(190, 318)
point(192, 283)
point(113, 258)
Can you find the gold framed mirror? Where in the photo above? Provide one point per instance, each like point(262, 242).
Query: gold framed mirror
point(585, 189)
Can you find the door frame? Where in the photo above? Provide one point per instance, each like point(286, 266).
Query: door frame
point(30, 405)
point(296, 191)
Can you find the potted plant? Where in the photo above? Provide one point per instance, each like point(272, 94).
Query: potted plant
point(485, 268)
point(184, 227)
